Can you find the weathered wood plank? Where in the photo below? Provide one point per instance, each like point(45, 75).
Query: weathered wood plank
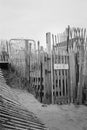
point(18, 113)
point(18, 117)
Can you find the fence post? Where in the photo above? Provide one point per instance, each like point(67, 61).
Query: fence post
point(69, 86)
point(80, 84)
point(52, 69)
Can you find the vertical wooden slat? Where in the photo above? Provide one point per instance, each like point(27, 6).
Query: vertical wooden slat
point(56, 81)
point(54, 74)
point(68, 80)
point(57, 75)
point(65, 77)
point(61, 79)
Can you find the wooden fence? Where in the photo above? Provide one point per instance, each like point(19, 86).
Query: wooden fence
point(56, 70)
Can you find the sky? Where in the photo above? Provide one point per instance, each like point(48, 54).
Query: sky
point(34, 18)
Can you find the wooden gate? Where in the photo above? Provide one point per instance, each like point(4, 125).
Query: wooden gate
point(61, 77)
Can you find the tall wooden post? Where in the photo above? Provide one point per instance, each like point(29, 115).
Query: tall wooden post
point(50, 64)
point(72, 75)
point(69, 85)
point(52, 69)
point(80, 84)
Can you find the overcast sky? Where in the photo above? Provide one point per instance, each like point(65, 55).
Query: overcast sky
point(33, 18)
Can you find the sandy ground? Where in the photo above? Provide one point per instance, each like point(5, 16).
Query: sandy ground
point(56, 117)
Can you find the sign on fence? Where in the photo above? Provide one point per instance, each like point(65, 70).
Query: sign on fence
point(61, 66)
